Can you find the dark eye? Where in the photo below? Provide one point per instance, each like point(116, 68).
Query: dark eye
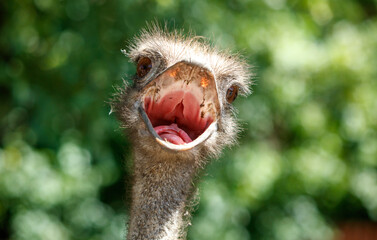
point(232, 93)
point(144, 65)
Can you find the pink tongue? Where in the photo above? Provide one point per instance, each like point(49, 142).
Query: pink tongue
point(173, 134)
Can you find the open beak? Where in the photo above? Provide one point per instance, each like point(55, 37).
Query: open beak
point(180, 107)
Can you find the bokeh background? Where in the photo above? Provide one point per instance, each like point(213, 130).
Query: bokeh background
point(306, 163)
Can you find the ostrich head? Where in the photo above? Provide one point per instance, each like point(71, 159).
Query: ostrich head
point(180, 103)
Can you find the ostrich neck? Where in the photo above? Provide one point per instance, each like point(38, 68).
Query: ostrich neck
point(161, 189)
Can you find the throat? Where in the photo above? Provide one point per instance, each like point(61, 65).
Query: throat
point(160, 194)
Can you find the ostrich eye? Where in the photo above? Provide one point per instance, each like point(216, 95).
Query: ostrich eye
point(232, 93)
point(144, 65)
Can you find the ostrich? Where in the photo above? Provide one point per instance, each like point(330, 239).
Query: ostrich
point(178, 113)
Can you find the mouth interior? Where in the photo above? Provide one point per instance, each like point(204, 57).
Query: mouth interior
point(176, 117)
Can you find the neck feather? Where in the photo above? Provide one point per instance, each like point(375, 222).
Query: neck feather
point(161, 190)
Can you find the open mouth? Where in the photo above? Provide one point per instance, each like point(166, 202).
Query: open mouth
point(180, 107)
point(176, 117)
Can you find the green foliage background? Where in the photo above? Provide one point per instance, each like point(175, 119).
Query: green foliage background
point(307, 158)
